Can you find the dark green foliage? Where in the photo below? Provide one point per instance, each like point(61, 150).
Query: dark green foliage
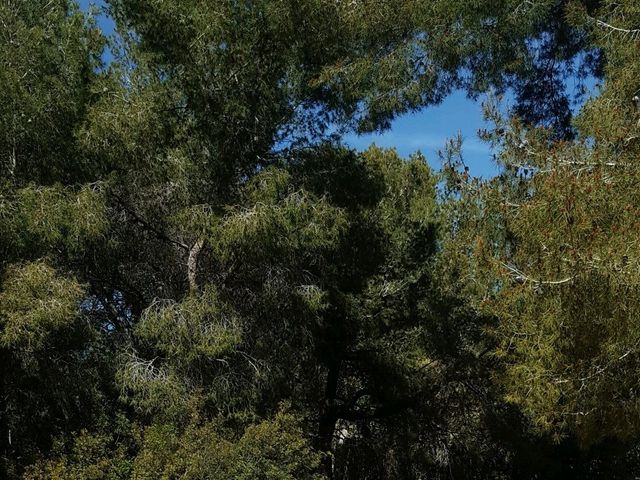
point(49, 53)
point(198, 281)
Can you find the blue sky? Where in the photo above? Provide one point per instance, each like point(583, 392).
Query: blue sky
point(426, 131)
point(429, 129)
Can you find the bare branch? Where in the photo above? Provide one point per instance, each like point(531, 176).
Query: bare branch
point(634, 34)
point(192, 264)
point(522, 278)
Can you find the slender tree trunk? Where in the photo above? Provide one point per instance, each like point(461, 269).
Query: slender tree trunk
point(192, 264)
point(328, 417)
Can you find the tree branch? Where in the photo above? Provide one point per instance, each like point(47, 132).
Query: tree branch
point(522, 278)
point(192, 264)
point(158, 233)
point(633, 33)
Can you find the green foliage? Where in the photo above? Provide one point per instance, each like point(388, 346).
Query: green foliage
point(552, 243)
point(51, 357)
point(414, 53)
point(197, 327)
point(273, 449)
point(293, 225)
point(39, 218)
point(49, 53)
point(92, 457)
point(185, 246)
point(35, 303)
point(194, 339)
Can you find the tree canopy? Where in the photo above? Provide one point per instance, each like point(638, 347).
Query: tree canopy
point(199, 280)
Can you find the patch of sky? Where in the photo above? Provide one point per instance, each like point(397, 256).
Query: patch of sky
point(429, 130)
point(98, 10)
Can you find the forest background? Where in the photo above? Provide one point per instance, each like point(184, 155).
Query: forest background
point(206, 275)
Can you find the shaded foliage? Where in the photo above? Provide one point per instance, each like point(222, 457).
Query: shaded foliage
point(199, 280)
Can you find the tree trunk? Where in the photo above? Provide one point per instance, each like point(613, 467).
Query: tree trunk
point(328, 418)
point(192, 264)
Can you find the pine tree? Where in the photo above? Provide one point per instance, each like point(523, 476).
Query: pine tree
point(199, 281)
point(548, 248)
